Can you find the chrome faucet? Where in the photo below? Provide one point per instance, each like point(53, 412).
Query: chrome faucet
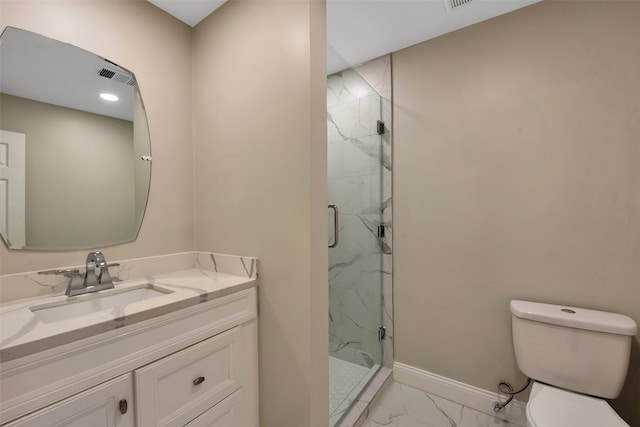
point(89, 282)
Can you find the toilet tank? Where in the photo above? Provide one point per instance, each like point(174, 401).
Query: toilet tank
point(586, 351)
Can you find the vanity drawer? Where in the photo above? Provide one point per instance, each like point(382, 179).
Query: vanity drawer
point(177, 388)
point(224, 414)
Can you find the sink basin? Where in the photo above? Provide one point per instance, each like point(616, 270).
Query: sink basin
point(99, 301)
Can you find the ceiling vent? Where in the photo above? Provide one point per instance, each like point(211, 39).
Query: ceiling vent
point(454, 4)
point(106, 73)
point(117, 76)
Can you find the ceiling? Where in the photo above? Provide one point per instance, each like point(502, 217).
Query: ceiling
point(357, 31)
point(42, 69)
point(361, 30)
point(189, 11)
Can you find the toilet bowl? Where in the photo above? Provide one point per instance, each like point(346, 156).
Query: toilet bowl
point(554, 407)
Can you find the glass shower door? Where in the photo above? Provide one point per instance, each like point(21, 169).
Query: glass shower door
point(355, 253)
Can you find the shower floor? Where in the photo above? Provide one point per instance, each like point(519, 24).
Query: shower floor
point(346, 380)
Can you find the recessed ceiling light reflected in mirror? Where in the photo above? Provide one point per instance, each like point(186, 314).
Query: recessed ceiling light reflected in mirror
point(108, 97)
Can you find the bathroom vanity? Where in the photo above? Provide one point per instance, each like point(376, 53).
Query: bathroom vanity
point(174, 343)
point(171, 350)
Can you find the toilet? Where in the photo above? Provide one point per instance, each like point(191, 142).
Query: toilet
point(576, 358)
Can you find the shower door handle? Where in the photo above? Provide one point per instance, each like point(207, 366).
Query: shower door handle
point(335, 226)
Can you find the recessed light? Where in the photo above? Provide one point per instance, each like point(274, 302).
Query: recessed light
point(108, 97)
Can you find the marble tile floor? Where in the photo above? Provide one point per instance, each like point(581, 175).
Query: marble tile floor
point(404, 406)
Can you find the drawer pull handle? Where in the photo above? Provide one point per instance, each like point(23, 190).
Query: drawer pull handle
point(123, 406)
point(198, 381)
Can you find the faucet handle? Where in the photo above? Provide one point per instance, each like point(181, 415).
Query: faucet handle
point(74, 275)
point(66, 272)
point(104, 278)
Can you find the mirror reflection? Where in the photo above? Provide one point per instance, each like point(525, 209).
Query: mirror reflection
point(75, 160)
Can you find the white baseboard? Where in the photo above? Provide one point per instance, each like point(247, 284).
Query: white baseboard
point(467, 395)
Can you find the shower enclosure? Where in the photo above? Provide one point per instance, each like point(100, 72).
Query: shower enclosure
point(354, 125)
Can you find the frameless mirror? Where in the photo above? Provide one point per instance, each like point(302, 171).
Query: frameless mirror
point(75, 155)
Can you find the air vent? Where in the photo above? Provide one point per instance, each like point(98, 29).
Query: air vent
point(117, 76)
point(107, 73)
point(457, 3)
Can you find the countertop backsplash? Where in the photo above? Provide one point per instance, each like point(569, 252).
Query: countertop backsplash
point(31, 284)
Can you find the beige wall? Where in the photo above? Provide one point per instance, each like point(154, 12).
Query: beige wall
point(260, 148)
point(517, 175)
point(156, 47)
point(260, 140)
point(67, 152)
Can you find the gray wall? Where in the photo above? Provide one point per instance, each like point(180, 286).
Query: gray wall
point(517, 175)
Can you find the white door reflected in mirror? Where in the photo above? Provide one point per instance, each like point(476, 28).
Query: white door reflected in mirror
point(12, 187)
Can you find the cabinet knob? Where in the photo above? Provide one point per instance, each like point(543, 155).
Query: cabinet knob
point(123, 405)
point(198, 381)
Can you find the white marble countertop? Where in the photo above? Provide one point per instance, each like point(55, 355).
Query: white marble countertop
point(22, 333)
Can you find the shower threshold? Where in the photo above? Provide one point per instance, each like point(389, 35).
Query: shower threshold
point(346, 381)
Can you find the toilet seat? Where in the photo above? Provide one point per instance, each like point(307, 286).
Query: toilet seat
point(554, 407)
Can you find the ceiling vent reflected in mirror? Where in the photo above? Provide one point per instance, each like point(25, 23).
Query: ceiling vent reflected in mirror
point(116, 76)
point(453, 4)
point(107, 73)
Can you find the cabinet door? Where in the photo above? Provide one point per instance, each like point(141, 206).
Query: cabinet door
point(224, 414)
point(176, 389)
point(99, 406)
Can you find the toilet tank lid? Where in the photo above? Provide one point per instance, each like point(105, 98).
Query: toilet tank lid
point(573, 317)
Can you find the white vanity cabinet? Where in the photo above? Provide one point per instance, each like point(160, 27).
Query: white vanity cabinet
point(170, 391)
point(196, 366)
point(224, 414)
point(106, 405)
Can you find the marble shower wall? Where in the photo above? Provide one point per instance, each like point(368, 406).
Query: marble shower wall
point(359, 172)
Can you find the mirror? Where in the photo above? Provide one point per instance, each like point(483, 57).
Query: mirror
point(75, 159)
